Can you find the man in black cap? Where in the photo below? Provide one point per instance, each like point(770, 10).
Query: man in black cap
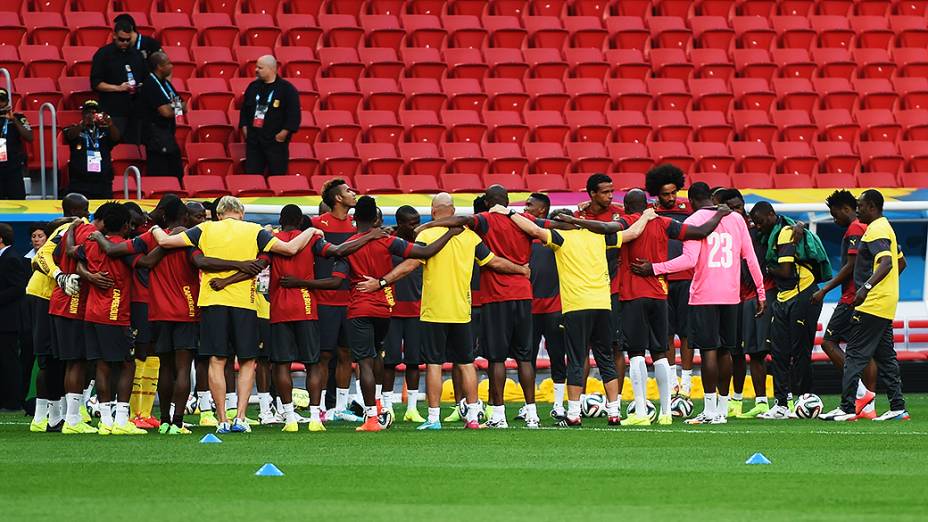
point(161, 106)
point(116, 73)
point(269, 116)
point(146, 45)
point(14, 129)
point(91, 140)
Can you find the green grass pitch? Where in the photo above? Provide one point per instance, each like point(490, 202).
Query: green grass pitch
point(820, 471)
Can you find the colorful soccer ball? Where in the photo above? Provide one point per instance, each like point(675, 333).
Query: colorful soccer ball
point(300, 398)
point(809, 406)
point(481, 411)
point(93, 406)
point(385, 419)
point(649, 406)
point(593, 405)
point(681, 407)
point(192, 405)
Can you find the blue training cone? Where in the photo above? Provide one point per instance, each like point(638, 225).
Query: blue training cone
point(209, 438)
point(269, 470)
point(758, 458)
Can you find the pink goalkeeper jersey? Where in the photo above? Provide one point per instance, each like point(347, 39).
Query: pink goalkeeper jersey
point(717, 260)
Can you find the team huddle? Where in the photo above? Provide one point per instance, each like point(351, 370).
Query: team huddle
point(341, 294)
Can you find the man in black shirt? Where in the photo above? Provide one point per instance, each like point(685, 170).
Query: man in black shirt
point(14, 129)
point(270, 114)
point(161, 106)
point(90, 169)
point(145, 45)
point(117, 72)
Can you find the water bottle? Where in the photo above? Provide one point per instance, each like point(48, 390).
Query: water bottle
point(130, 79)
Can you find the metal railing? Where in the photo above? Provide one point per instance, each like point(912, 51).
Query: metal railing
point(54, 146)
point(138, 182)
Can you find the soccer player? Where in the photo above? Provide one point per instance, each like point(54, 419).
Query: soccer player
point(49, 405)
point(547, 320)
point(585, 302)
point(507, 298)
point(404, 338)
point(369, 312)
point(663, 182)
point(228, 317)
point(876, 277)
point(715, 295)
point(337, 227)
point(197, 215)
point(795, 316)
point(843, 207)
point(446, 311)
point(644, 303)
point(106, 327)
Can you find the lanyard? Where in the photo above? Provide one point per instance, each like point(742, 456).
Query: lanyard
point(270, 97)
point(163, 86)
point(91, 140)
point(138, 43)
point(6, 123)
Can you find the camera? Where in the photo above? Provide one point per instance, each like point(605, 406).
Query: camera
point(99, 118)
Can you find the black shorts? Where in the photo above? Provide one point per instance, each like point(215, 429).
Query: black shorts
point(264, 338)
point(585, 330)
point(227, 331)
point(171, 336)
point(644, 324)
point(41, 326)
point(447, 342)
point(294, 341)
point(366, 335)
point(678, 305)
point(333, 327)
point(754, 332)
point(714, 326)
point(839, 326)
point(509, 334)
point(107, 342)
point(141, 328)
point(404, 342)
point(68, 339)
point(615, 323)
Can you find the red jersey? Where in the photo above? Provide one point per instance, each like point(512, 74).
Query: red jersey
point(613, 213)
point(504, 238)
point(678, 212)
point(374, 259)
point(175, 287)
point(748, 290)
point(849, 245)
point(650, 245)
point(142, 276)
point(61, 304)
point(109, 306)
point(336, 231)
point(296, 304)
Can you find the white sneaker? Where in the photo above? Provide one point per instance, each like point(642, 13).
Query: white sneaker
point(718, 419)
point(301, 419)
point(521, 414)
point(702, 418)
point(776, 413)
point(347, 416)
point(894, 415)
point(533, 423)
point(270, 418)
point(500, 424)
point(838, 415)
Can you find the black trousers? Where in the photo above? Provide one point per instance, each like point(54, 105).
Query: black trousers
point(871, 338)
point(11, 390)
point(158, 164)
point(11, 182)
point(792, 337)
point(267, 157)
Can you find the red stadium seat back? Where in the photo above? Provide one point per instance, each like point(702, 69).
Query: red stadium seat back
point(464, 31)
point(758, 180)
point(337, 159)
point(630, 126)
point(425, 62)
point(878, 180)
point(423, 94)
point(455, 183)
point(880, 156)
point(752, 156)
point(505, 158)
point(549, 183)
point(792, 181)
point(673, 153)
point(795, 125)
point(341, 30)
point(712, 64)
point(795, 157)
point(547, 94)
point(630, 157)
point(418, 184)
point(507, 63)
point(712, 32)
point(289, 185)
point(422, 126)
point(153, 187)
point(546, 126)
point(589, 157)
point(381, 62)
point(588, 126)
point(337, 126)
point(380, 159)
point(753, 32)
point(248, 185)
point(380, 126)
point(504, 31)
point(835, 180)
point(710, 126)
point(257, 29)
point(505, 126)
point(88, 28)
point(669, 126)
point(546, 158)
point(422, 159)
point(376, 184)
point(464, 158)
point(463, 126)
point(465, 63)
point(339, 94)
point(512, 182)
point(464, 94)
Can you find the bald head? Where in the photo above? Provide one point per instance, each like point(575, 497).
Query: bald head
point(497, 195)
point(635, 201)
point(75, 205)
point(442, 205)
point(266, 68)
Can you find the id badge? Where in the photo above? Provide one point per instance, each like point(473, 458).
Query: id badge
point(94, 161)
point(178, 109)
point(264, 281)
point(260, 113)
point(4, 155)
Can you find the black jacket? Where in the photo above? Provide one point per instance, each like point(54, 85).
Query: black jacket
point(13, 281)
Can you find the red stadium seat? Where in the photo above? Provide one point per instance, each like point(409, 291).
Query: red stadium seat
point(215, 62)
point(587, 94)
point(9, 60)
point(545, 31)
point(544, 63)
point(546, 126)
point(299, 30)
point(910, 31)
point(880, 156)
point(668, 94)
point(712, 158)
point(424, 62)
point(257, 29)
point(710, 126)
point(505, 126)
point(79, 59)
point(673, 153)
point(753, 32)
point(464, 158)
point(836, 93)
point(248, 185)
point(669, 126)
point(297, 62)
point(76, 91)
point(836, 125)
point(175, 30)
point(794, 63)
point(628, 63)
point(464, 94)
point(205, 186)
point(795, 157)
point(792, 181)
point(210, 126)
point(914, 123)
point(754, 125)
point(505, 158)
point(754, 63)
point(588, 126)
point(422, 126)
point(465, 63)
point(547, 94)
point(418, 184)
point(752, 156)
point(712, 63)
point(630, 126)
point(463, 126)
point(795, 93)
point(340, 62)
point(341, 30)
point(422, 159)
point(424, 30)
point(915, 154)
point(875, 93)
point(585, 31)
point(505, 31)
point(506, 94)
point(42, 61)
point(455, 183)
point(878, 125)
point(589, 157)
point(835, 180)
point(45, 28)
point(546, 158)
point(382, 30)
point(381, 94)
point(423, 93)
point(873, 63)
point(795, 125)
point(34, 92)
point(337, 126)
point(12, 30)
point(872, 32)
point(464, 31)
point(512, 182)
point(669, 32)
point(215, 29)
point(380, 159)
point(154, 187)
point(507, 63)
point(911, 62)
point(837, 157)
point(914, 179)
point(757, 180)
point(711, 95)
point(337, 159)
point(380, 126)
point(586, 63)
point(713, 179)
point(210, 93)
point(793, 31)
point(376, 184)
point(878, 179)
point(381, 62)
point(752, 94)
point(712, 32)
point(833, 31)
point(88, 28)
point(208, 159)
point(289, 185)
point(670, 63)
point(338, 94)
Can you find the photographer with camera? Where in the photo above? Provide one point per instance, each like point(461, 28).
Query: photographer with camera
point(91, 141)
point(14, 129)
point(161, 107)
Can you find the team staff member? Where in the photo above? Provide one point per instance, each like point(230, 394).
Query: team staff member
point(145, 45)
point(446, 308)
point(876, 276)
point(270, 114)
point(663, 182)
point(90, 168)
point(116, 74)
point(161, 108)
point(795, 315)
point(228, 317)
point(14, 130)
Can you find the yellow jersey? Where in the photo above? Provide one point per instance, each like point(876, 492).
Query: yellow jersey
point(878, 242)
point(447, 275)
point(582, 268)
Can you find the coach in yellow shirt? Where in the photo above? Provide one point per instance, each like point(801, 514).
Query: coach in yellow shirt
point(445, 309)
point(876, 276)
point(228, 317)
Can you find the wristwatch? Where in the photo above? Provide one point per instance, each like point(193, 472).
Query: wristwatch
point(511, 212)
point(383, 282)
point(868, 286)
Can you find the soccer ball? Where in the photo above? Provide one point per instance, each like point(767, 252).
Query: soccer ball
point(809, 406)
point(300, 398)
point(649, 406)
point(681, 407)
point(593, 405)
point(192, 405)
point(385, 419)
point(481, 411)
point(93, 406)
